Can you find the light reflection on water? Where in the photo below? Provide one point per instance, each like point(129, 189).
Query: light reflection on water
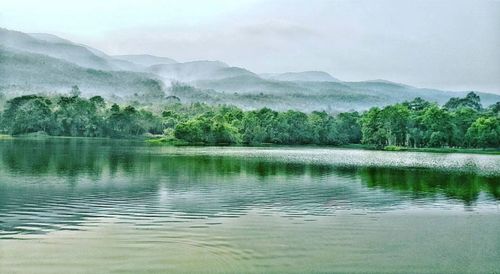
point(266, 207)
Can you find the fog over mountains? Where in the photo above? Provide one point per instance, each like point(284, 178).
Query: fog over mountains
point(45, 63)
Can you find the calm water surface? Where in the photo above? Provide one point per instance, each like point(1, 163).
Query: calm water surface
point(102, 206)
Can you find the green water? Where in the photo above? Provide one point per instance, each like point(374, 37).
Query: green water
point(103, 206)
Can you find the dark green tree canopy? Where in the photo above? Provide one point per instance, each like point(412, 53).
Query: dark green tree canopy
point(471, 100)
point(460, 123)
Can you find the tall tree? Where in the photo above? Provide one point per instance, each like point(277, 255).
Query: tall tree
point(484, 132)
point(28, 114)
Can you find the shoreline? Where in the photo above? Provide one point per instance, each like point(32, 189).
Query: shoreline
point(488, 151)
point(175, 142)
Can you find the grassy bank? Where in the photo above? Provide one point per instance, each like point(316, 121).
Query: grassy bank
point(5, 137)
point(167, 141)
point(494, 151)
point(172, 141)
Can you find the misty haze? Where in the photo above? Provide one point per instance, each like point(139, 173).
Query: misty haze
point(251, 136)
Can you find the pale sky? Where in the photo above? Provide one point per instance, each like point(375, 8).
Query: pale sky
point(450, 44)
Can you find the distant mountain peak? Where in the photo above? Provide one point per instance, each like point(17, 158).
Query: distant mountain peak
point(198, 70)
point(383, 81)
point(50, 38)
point(304, 76)
point(53, 46)
point(145, 60)
point(208, 62)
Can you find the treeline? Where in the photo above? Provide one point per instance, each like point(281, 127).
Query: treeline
point(233, 126)
point(76, 116)
point(462, 122)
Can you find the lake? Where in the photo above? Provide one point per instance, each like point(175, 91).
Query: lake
point(117, 206)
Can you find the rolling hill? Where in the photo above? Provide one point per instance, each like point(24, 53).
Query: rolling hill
point(307, 76)
point(23, 72)
point(145, 60)
point(198, 70)
point(333, 95)
point(33, 63)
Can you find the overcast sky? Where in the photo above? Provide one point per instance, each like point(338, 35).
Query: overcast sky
point(442, 44)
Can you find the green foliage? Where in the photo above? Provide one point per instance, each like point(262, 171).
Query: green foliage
point(212, 127)
point(76, 116)
point(495, 108)
point(414, 124)
point(27, 114)
point(394, 148)
point(349, 128)
point(472, 100)
point(460, 123)
point(372, 129)
point(417, 104)
point(484, 132)
point(202, 124)
point(439, 129)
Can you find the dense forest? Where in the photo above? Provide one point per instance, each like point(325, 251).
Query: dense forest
point(461, 123)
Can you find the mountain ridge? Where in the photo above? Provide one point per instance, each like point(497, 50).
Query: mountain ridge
point(145, 60)
point(40, 61)
point(305, 76)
